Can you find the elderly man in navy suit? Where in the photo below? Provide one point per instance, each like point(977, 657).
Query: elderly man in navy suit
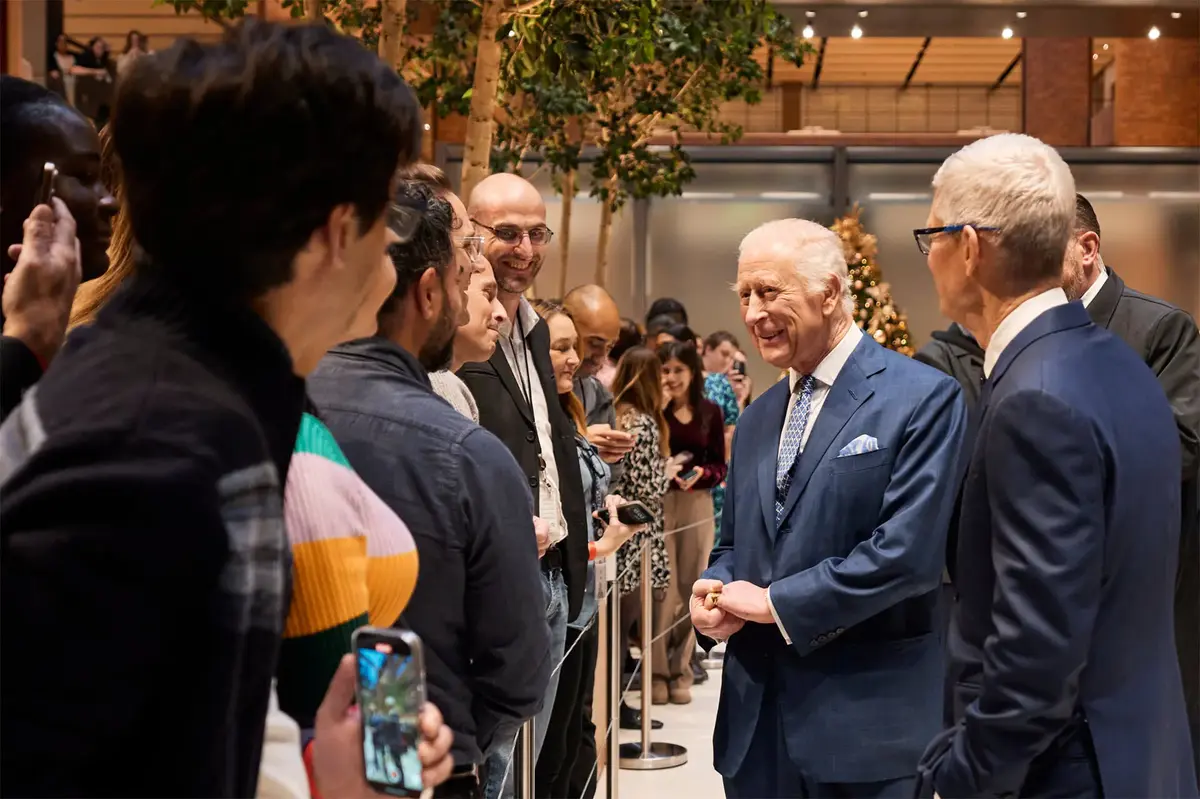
point(1062, 636)
point(832, 541)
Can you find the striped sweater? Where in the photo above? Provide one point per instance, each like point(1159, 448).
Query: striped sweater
point(354, 563)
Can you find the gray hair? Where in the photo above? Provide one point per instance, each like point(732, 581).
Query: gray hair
point(814, 250)
point(1023, 187)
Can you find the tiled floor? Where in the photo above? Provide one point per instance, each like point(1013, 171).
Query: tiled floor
point(690, 726)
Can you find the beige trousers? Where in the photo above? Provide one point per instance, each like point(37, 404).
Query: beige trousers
point(687, 552)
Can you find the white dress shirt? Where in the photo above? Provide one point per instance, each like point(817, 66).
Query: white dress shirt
point(1094, 289)
point(825, 374)
point(520, 360)
point(1020, 318)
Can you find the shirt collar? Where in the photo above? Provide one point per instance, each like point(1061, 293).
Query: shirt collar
point(1020, 318)
point(830, 367)
point(529, 320)
point(1094, 289)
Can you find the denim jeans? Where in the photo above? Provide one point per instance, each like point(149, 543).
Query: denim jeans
point(500, 778)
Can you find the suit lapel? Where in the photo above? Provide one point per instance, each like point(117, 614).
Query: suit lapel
point(847, 393)
point(775, 403)
point(499, 362)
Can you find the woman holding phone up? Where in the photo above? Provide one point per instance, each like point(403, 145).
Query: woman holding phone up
point(570, 747)
point(697, 437)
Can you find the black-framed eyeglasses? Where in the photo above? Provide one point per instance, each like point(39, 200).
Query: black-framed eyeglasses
point(924, 236)
point(404, 217)
point(511, 234)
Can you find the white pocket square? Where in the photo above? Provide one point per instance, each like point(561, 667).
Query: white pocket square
point(859, 446)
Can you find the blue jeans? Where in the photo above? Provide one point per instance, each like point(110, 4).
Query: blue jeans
point(500, 779)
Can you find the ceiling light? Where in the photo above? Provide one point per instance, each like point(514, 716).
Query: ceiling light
point(1095, 56)
point(511, 33)
point(1105, 45)
point(856, 33)
point(808, 31)
point(1022, 14)
point(1153, 33)
point(1006, 33)
point(1175, 15)
point(810, 14)
point(863, 14)
point(427, 126)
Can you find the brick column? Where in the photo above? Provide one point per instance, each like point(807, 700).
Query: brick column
point(1156, 100)
point(1056, 89)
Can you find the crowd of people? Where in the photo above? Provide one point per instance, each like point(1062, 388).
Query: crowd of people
point(255, 398)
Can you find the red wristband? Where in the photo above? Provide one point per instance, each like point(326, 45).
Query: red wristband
point(591, 550)
point(308, 767)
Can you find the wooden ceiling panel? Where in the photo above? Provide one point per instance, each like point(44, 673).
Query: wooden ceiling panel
point(881, 61)
point(967, 61)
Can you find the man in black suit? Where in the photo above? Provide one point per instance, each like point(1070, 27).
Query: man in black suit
point(1166, 338)
point(518, 402)
point(1068, 683)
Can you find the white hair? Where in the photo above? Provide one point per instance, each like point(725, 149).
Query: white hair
point(814, 250)
point(1023, 187)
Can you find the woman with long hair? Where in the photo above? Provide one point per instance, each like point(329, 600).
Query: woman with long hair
point(697, 440)
point(569, 755)
point(638, 400)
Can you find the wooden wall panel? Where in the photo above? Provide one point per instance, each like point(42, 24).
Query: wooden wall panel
point(113, 19)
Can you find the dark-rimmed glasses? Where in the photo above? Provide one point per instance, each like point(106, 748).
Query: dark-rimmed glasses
point(511, 234)
point(924, 236)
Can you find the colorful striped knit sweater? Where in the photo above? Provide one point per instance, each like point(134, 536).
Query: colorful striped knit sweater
point(354, 563)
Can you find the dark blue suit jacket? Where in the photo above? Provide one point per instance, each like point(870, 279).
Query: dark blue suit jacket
point(854, 570)
point(1066, 571)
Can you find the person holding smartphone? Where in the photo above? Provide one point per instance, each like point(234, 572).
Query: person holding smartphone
point(697, 427)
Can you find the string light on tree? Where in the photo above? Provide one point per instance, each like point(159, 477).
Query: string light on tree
point(874, 309)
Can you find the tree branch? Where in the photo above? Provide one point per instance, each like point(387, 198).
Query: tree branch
point(523, 8)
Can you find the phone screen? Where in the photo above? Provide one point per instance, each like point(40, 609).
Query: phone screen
point(689, 474)
point(391, 692)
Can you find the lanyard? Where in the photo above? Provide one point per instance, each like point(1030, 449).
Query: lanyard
point(525, 380)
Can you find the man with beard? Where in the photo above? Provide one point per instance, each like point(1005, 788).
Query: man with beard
point(478, 606)
point(38, 127)
point(516, 395)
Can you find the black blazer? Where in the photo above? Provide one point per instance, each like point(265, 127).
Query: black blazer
point(503, 411)
point(1165, 337)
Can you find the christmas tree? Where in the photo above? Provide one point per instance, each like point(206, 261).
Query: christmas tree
point(874, 309)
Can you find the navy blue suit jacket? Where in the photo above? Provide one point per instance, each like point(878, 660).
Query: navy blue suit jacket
point(854, 569)
point(1066, 571)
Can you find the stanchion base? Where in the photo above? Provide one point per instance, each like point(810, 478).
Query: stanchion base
point(660, 756)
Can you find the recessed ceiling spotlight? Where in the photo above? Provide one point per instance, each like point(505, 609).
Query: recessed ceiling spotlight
point(810, 14)
point(863, 14)
point(1153, 33)
point(1006, 33)
point(808, 31)
point(1095, 56)
point(856, 32)
point(1175, 15)
point(1105, 46)
point(1022, 14)
point(427, 126)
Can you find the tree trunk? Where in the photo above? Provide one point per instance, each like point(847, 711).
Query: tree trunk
point(391, 31)
point(481, 125)
point(564, 233)
point(606, 220)
point(312, 10)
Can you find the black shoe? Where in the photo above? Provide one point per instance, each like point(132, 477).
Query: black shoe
point(632, 719)
point(699, 673)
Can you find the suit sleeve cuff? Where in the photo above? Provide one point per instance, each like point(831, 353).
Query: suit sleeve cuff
point(787, 639)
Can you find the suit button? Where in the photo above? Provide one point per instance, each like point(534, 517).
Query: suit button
point(813, 642)
point(839, 631)
point(533, 482)
point(530, 437)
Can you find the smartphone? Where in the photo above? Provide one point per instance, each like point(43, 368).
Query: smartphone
point(685, 476)
point(631, 513)
point(391, 693)
point(49, 175)
point(739, 368)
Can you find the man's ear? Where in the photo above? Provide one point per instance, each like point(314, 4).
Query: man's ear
point(971, 250)
point(831, 297)
point(331, 239)
point(1089, 244)
point(429, 292)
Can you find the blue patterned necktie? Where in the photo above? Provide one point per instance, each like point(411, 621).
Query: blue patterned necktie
point(793, 434)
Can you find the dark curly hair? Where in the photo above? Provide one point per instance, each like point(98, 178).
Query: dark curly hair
point(234, 153)
point(430, 246)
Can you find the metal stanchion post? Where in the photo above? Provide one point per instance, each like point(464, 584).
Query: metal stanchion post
point(646, 755)
point(615, 668)
point(524, 761)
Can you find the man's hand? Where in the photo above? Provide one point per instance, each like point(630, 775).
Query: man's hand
point(39, 291)
point(612, 444)
point(709, 620)
point(541, 531)
point(741, 388)
point(745, 601)
point(434, 749)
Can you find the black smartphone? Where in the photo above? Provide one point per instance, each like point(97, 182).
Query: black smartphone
point(391, 693)
point(49, 175)
point(631, 513)
point(739, 368)
point(685, 476)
